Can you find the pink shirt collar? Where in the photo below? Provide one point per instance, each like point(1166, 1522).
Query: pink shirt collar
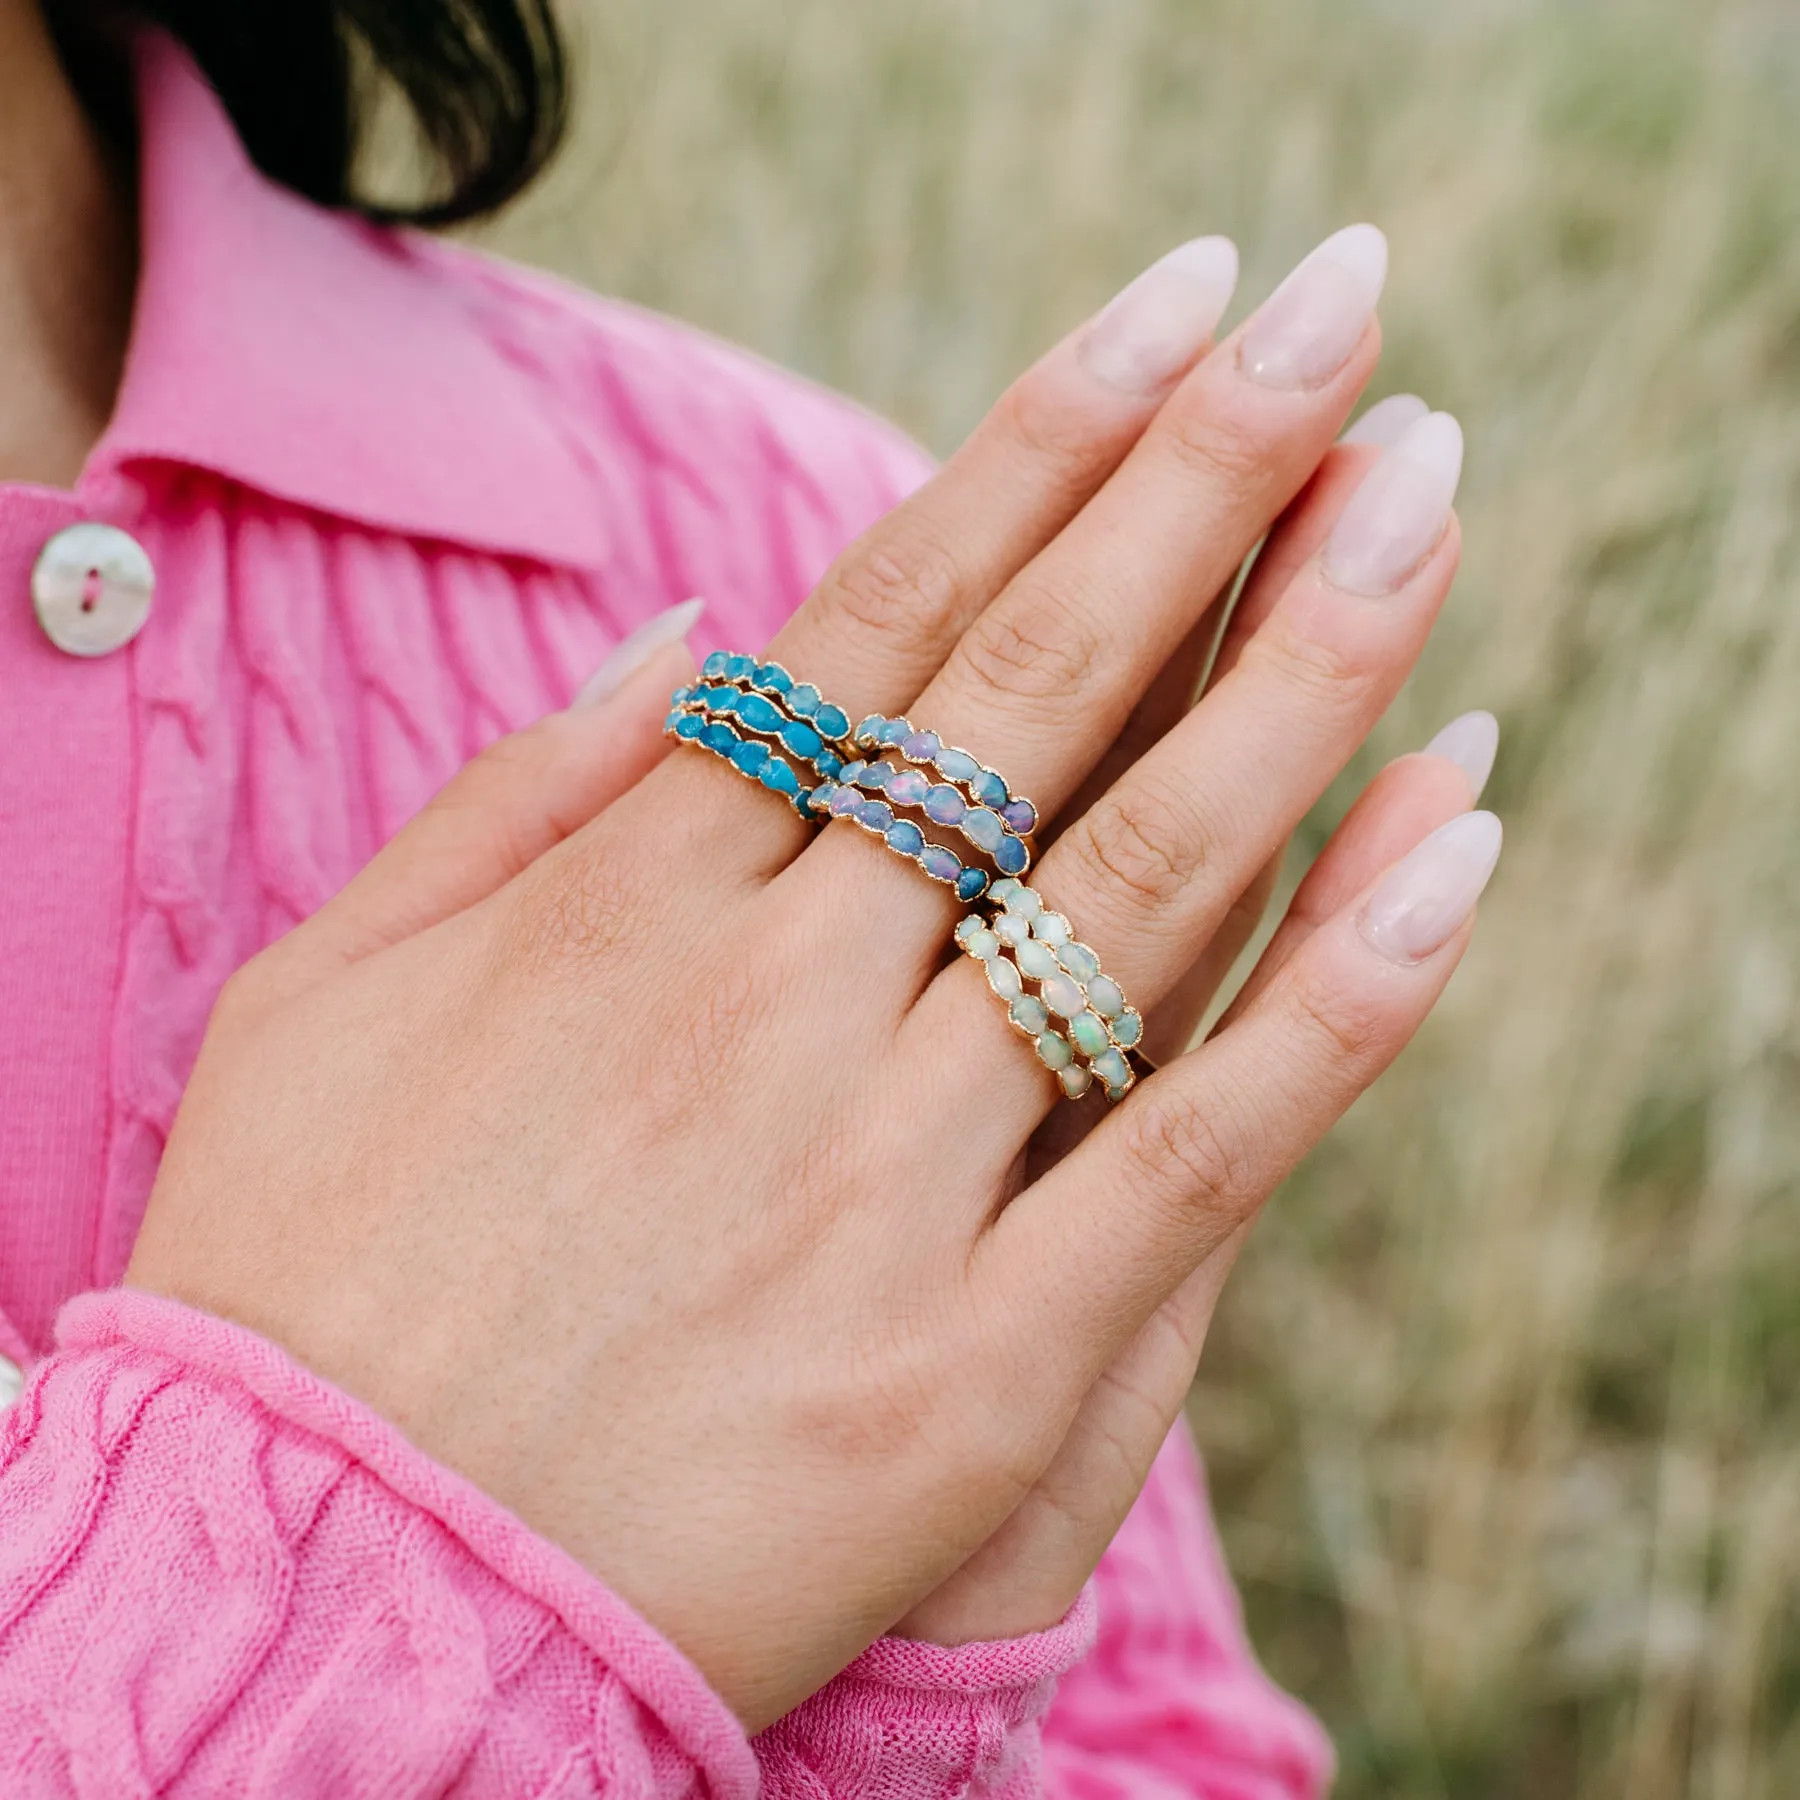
point(317, 358)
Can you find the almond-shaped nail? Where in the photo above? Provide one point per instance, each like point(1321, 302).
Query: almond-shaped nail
point(1151, 334)
point(1471, 742)
point(1425, 897)
point(1387, 421)
point(630, 653)
point(1395, 519)
point(1306, 329)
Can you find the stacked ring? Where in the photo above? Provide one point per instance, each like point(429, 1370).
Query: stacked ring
point(740, 701)
point(801, 699)
point(839, 800)
point(756, 712)
point(943, 803)
point(1023, 942)
point(985, 786)
point(751, 757)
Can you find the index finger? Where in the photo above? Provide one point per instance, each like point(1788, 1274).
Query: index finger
point(886, 615)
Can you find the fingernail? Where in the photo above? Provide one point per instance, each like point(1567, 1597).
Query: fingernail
point(1470, 742)
point(1151, 333)
point(1424, 898)
point(1386, 421)
point(1307, 328)
point(630, 653)
point(1395, 519)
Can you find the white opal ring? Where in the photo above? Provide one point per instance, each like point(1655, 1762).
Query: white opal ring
point(1055, 993)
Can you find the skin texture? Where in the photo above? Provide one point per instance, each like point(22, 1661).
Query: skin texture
point(638, 1153)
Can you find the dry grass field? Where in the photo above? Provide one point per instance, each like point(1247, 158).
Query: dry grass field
point(1502, 1410)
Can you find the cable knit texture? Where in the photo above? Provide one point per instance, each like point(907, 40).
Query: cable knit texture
point(400, 500)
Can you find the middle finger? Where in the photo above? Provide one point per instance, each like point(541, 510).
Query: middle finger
point(1047, 676)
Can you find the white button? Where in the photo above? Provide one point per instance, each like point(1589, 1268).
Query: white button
point(12, 1382)
point(92, 587)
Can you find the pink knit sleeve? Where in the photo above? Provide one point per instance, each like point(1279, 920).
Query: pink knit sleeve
point(911, 1721)
point(220, 1576)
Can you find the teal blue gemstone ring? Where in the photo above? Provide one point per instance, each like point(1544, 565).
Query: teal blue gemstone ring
point(1078, 1020)
point(759, 715)
point(751, 757)
point(798, 699)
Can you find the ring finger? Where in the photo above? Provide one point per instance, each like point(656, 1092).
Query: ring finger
point(1148, 873)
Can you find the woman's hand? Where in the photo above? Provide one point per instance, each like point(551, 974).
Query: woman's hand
point(663, 1177)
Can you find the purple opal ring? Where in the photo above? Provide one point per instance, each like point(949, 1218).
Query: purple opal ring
point(968, 794)
point(838, 800)
point(1077, 1019)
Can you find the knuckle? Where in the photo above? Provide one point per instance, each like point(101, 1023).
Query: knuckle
point(1186, 1161)
point(1345, 1026)
point(1143, 843)
point(901, 584)
point(1331, 674)
point(1058, 439)
point(1031, 646)
point(1213, 454)
point(720, 1015)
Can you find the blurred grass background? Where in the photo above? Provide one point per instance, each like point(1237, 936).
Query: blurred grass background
point(1502, 1410)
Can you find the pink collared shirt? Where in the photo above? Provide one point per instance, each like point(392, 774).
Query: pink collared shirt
point(399, 500)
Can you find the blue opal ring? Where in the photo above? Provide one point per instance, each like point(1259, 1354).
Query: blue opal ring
point(985, 786)
point(800, 699)
point(754, 712)
point(1078, 1020)
point(838, 800)
point(751, 757)
point(943, 803)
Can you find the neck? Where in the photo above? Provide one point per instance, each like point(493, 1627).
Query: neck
point(68, 263)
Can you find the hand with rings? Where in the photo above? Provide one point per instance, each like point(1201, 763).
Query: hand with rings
point(673, 1161)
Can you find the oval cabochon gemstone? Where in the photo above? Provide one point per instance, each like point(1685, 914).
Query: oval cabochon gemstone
point(984, 829)
point(944, 805)
point(1011, 857)
point(1106, 996)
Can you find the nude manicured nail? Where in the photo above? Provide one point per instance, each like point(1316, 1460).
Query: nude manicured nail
point(1471, 742)
point(1152, 332)
point(630, 653)
point(1423, 899)
point(1307, 328)
point(1386, 421)
point(1395, 519)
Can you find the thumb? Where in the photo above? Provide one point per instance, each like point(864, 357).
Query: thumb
point(519, 798)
